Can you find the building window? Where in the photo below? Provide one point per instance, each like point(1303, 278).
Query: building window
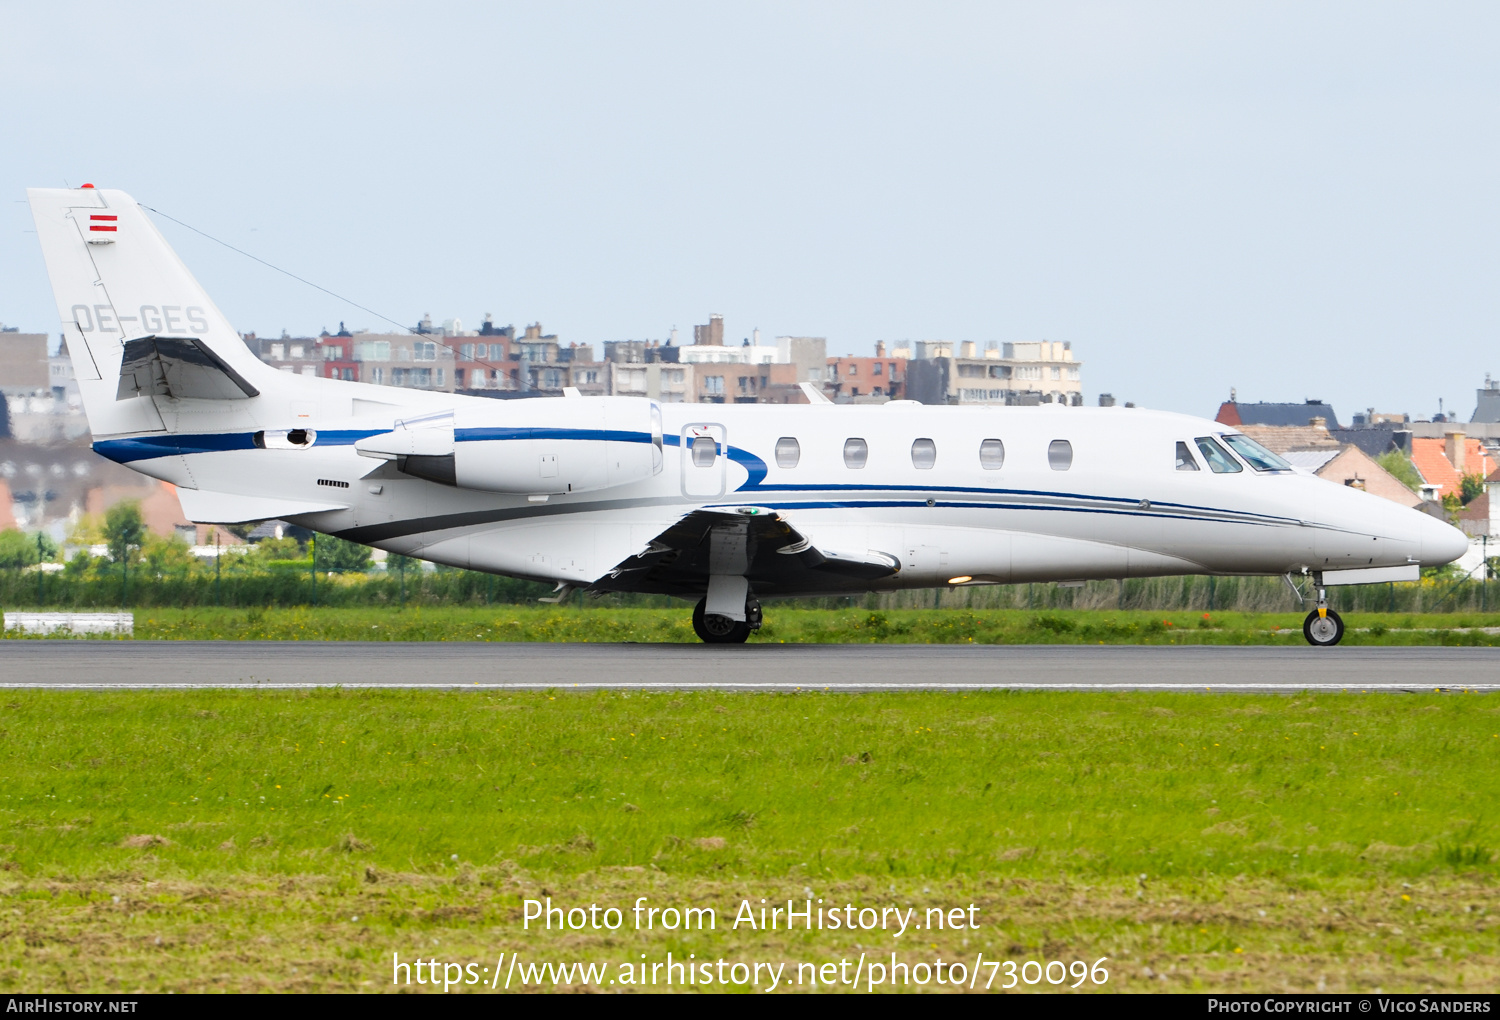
point(439, 377)
point(713, 384)
point(1060, 454)
point(1073, 372)
point(377, 376)
point(992, 454)
point(372, 350)
point(1056, 371)
point(424, 351)
point(923, 454)
point(875, 368)
point(788, 452)
point(466, 351)
point(856, 452)
point(854, 370)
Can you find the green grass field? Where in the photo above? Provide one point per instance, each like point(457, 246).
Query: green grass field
point(238, 840)
point(792, 624)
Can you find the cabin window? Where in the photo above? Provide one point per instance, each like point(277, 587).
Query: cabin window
point(856, 452)
point(992, 455)
point(1185, 461)
point(923, 454)
point(1219, 461)
point(1060, 454)
point(788, 452)
point(705, 449)
point(1255, 455)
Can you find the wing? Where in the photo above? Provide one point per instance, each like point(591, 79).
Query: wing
point(162, 366)
point(750, 541)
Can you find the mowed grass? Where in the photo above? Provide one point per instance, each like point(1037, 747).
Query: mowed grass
point(786, 622)
point(265, 840)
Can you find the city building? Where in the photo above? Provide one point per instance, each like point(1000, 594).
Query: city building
point(1487, 402)
point(669, 382)
point(1444, 462)
point(1025, 373)
point(299, 355)
point(41, 402)
point(865, 380)
point(1233, 412)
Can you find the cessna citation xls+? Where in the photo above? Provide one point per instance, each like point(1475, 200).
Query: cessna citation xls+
point(722, 504)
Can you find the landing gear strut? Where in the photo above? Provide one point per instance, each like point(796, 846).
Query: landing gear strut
point(713, 629)
point(1323, 627)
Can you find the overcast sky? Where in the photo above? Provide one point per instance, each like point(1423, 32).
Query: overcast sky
point(1295, 199)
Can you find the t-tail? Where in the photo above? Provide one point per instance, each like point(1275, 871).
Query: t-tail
point(137, 325)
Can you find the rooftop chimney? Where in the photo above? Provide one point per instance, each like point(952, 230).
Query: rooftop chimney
point(1455, 449)
point(879, 348)
point(1318, 423)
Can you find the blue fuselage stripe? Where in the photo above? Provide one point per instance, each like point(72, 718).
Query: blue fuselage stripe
point(124, 451)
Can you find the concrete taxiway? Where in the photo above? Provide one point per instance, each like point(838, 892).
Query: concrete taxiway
point(104, 665)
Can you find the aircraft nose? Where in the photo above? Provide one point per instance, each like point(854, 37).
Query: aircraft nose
point(1440, 542)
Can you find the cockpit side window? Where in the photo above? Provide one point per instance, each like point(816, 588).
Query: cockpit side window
point(1255, 455)
point(1185, 461)
point(1219, 460)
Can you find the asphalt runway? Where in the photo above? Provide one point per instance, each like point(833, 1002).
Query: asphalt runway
point(106, 665)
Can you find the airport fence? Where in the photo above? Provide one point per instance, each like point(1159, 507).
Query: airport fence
point(1207, 594)
point(248, 587)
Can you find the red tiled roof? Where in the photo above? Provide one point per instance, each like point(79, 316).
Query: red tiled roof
point(1431, 460)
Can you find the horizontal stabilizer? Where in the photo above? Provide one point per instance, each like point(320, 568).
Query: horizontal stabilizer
point(203, 507)
point(166, 366)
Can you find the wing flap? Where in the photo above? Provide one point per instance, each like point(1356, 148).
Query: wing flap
point(777, 558)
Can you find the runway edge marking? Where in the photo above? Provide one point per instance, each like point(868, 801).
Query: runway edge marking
point(769, 685)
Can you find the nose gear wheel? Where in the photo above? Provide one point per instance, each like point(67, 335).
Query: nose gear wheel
point(1323, 631)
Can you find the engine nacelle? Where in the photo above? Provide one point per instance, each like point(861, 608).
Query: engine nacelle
point(535, 447)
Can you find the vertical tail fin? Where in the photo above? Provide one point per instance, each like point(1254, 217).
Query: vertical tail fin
point(116, 279)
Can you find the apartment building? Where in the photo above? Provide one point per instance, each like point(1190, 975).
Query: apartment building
point(1037, 372)
point(865, 380)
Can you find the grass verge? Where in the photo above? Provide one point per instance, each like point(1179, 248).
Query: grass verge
point(787, 623)
point(241, 840)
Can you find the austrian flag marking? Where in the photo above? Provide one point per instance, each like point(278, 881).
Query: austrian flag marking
point(103, 223)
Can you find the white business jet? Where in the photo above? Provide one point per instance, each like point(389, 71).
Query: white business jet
point(722, 504)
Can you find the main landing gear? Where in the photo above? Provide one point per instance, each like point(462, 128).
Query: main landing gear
point(713, 629)
point(1323, 627)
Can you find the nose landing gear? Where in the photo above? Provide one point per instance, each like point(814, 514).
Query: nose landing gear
point(1323, 627)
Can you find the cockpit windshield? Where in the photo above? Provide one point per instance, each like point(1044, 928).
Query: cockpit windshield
point(1219, 460)
point(1255, 455)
